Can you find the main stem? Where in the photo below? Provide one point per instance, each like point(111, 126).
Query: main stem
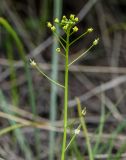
point(65, 97)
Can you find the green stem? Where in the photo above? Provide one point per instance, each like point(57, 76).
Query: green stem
point(58, 84)
point(65, 97)
point(59, 40)
point(72, 139)
point(62, 39)
point(81, 55)
point(79, 37)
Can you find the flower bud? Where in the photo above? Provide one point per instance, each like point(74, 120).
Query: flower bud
point(56, 20)
point(58, 50)
point(75, 29)
point(72, 16)
point(65, 27)
point(53, 28)
point(64, 18)
point(90, 30)
point(76, 19)
point(96, 41)
point(49, 25)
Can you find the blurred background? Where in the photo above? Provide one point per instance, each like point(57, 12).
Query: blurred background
point(98, 79)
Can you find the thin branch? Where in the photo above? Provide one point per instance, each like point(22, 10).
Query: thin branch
point(58, 84)
point(79, 37)
point(72, 139)
point(62, 38)
point(81, 55)
point(60, 41)
point(61, 54)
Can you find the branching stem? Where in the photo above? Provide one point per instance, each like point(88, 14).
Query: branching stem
point(60, 41)
point(66, 96)
point(58, 84)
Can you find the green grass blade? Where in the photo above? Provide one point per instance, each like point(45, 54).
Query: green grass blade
point(100, 128)
point(76, 151)
point(22, 54)
point(17, 132)
point(120, 127)
point(10, 128)
point(13, 81)
point(120, 151)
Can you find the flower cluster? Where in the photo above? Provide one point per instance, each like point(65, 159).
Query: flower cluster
point(65, 23)
point(53, 28)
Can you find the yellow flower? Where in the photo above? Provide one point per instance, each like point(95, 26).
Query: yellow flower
point(65, 27)
point(72, 16)
point(76, 19)
point(49, 24)
point(56, 20)
point(75, 29)
point(89, 30)
point(53, 28)
point(96, 41)
point(64, 17)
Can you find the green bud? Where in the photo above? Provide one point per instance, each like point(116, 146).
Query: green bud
point(72, 17)
point(65, 27)
point(63, 21)
point(90, 30)
point(64, 18)
point(96, 41)
point(75, 29)
point(49, 25)
point(58, 50)
point(56, 20)
point(53, 28)
point(76, 19)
